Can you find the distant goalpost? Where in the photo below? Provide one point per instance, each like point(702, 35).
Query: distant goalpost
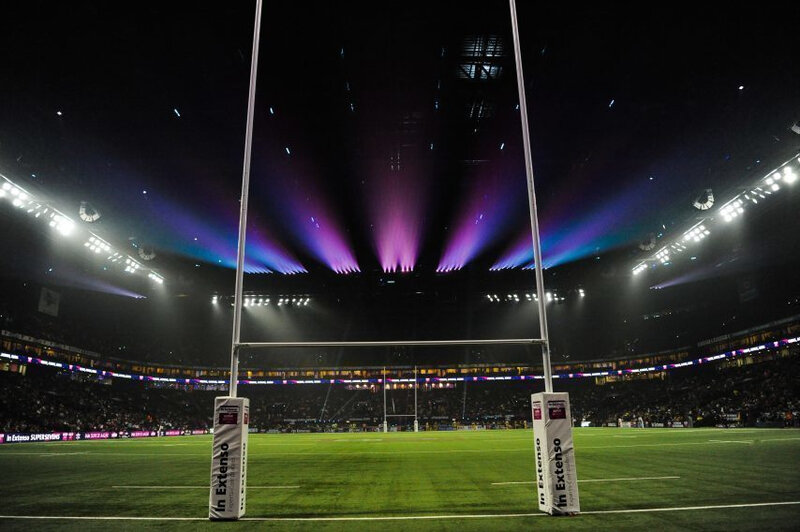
point(387, 415)
point(556, 476)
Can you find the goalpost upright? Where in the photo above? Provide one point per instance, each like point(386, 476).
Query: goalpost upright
point(556, 475)
point(554, 455)
point(228, 497)
point(416, 385)
point(385, 423)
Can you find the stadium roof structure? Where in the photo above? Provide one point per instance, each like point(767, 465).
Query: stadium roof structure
point(387, 153)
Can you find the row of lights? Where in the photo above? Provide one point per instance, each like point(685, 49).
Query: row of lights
point(664, 255)
point(23, 200)
point(131, 265)
point(728, 212)
point(66, 226)
point(515, 297)
point(263, 301)
point(696, 234)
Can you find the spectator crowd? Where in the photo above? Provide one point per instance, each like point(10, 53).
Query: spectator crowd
point(45, 399)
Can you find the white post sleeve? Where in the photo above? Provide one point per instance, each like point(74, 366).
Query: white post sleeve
point(229, 458)
point(556, 475)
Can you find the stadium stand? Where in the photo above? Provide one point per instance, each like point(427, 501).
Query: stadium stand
point(764, 391)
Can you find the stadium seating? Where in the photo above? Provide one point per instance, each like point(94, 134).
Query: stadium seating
point(760, 394)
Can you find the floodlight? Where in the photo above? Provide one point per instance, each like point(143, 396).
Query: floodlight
point(732, 210)
point(696, 234)
point(62, 224)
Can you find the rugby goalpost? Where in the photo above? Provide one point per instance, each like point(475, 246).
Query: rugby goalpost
point(556, 477)
point(387, 415)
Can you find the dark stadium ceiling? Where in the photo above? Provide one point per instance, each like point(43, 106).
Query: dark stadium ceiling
point(387, 137)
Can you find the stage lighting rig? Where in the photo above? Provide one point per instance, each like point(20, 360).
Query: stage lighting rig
point(761, 190)
point(65, 226)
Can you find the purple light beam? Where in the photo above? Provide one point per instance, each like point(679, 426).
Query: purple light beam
point(485, 216)
point(320, 232)
point(396, 205)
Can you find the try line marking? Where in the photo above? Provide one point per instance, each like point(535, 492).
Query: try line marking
point(402, 517)
point(626, 479)
point(200, 487)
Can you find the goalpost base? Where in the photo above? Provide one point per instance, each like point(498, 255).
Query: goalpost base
point(229, 458)
point(556, 476)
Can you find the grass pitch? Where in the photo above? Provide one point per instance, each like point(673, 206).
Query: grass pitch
point(722, 475)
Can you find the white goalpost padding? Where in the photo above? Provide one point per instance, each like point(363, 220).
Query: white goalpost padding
point(556, 476)
point(235, 508)
point(229, 458)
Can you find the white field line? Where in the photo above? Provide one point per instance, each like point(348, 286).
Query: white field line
point(748, 442)
point(201, 487)
point(675, 444)
point(624, 479)
point(404, 517)
point(415, 451)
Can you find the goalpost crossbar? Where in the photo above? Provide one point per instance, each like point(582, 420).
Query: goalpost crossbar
point(392, 343)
